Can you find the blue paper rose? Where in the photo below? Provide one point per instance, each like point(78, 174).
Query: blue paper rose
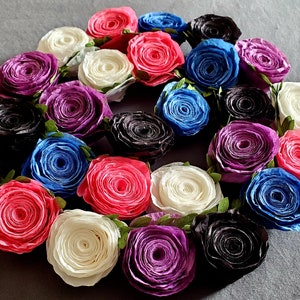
point(274, 195)
point(59, 162)
point(213, 63)
point(183, 108)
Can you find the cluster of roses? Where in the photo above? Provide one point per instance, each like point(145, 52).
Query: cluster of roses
point(55, 106)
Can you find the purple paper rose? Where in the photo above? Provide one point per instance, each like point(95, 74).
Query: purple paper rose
point(28, 74)
point(76, 109)
point(258, 56)
point(241, 148)
point(159, 260)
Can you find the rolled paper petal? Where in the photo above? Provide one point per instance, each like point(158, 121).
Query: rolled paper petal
point(242, 148)
point(159, 260)
point(140, 134)
point(59, 163)
point(183, 189)
point(27, 211)
point(167, 22)
point(214, 64)
point(288, 102)
point(183, 108)
point(63, 42)
point(258, 56)
point(245, 102)
point(273, 195)
point(155, 56)
point(82, 247)
point(116, 185)
point(230, 243)
point(288, 157)
point(212, 26)
point(76, 109)
point(28, 74)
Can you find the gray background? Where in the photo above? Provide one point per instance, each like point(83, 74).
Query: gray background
point(23, 23)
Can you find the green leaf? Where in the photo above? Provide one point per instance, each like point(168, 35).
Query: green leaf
point(101, 41)
point(141, 221)
point(51, 126)
point(142, 75)
point(236, 203)
point(270, 164)
point(265, 79)
point(112, 216)
point(215, 176)
point(122, 241)
point(171, 30)
point(223, 205)
point(61, 202)
point(37, 94)
point(165, 220)
point(86, 150)
point(41, 107)
point(187, 163)
point(209, 161)
point(23, 179)
point(90, 44)
point(126, 31)
point(63, 70)
point(177, 73)
point(9, 176)
point(185, 220)
point(211, 210)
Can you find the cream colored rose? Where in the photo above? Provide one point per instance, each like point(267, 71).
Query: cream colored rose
point(288, 102)
point(183, 189)
point(105, 69)
point(63, 42)
point(82, 247)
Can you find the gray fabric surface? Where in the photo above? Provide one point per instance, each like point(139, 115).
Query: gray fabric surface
point(23, 23)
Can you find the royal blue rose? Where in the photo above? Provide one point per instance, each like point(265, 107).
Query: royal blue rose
point(183, 108)
point(59, 162)
point(213, 64)
point(274, 195)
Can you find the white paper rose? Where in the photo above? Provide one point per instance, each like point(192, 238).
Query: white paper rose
point(105, 70)
point(82, 247)
point(183, 189)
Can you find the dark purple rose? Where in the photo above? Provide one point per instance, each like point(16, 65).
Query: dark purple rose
point(76, 109)
point(241, 148)
point(159, 260)
point(28, 74)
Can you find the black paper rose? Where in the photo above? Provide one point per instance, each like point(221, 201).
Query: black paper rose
point(212, 26)
point(230, 243)
point(140, 134)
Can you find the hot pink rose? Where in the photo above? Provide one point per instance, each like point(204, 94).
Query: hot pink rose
point(27, 211)
point(155, 57)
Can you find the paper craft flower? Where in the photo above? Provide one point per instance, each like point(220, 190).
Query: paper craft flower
point(213, 64)
point(273, 195)
point(28, 74)
point(116, 185)
point(229, 243)
point(212, 26)
point(59, 163)
point(164, 21)
point(140, 134)
point(76, 109)
point(183, 189)
point(155, 56)
point(241, 148)
point(258, 56)
point(27, 211)
point(183, 108)
point(159, 260)
point(82, 247)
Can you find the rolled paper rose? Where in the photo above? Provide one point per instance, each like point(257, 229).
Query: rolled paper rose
point(242, 148)
point(273, 195)
point(229, 243)
point(183, 108)
point(82, 247)
point(116, 185)
point(288, 102)
point(213, 64)
point(59, 163)
point(159, 260)
point(287, 156)
point(183, 189)
point(212, 26)
point(28, 74)
point(27, 211)
point(164, 21)
point(140, 134)
point(245, 102)
point(155, 56)
point(63, 42)
point(76, 109)
point(106, 69)
point(260, 57)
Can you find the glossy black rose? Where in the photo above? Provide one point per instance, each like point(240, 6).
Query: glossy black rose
point(212, 26)
point(231, 244)
point(140, 134)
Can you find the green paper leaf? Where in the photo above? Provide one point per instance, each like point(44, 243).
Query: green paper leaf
point(236, 203)
point(223, 205)
point(61, 202)
point(171, 30)
point(142, 75)
point(141, 221)
point(211, 210)
point(64, 70)
point(215, 176)
point(41, 107)
point(126, 31)
point(51, 126)
point(122, 241)
point(87, 151)
point(101, 41)
point(165, 220)
point(185, 220)
point(9, 176)
point(271, 164)
point(186, 163)
point(23, 179)
point(90, 44)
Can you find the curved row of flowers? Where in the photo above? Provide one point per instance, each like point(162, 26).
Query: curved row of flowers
point(55, 105)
